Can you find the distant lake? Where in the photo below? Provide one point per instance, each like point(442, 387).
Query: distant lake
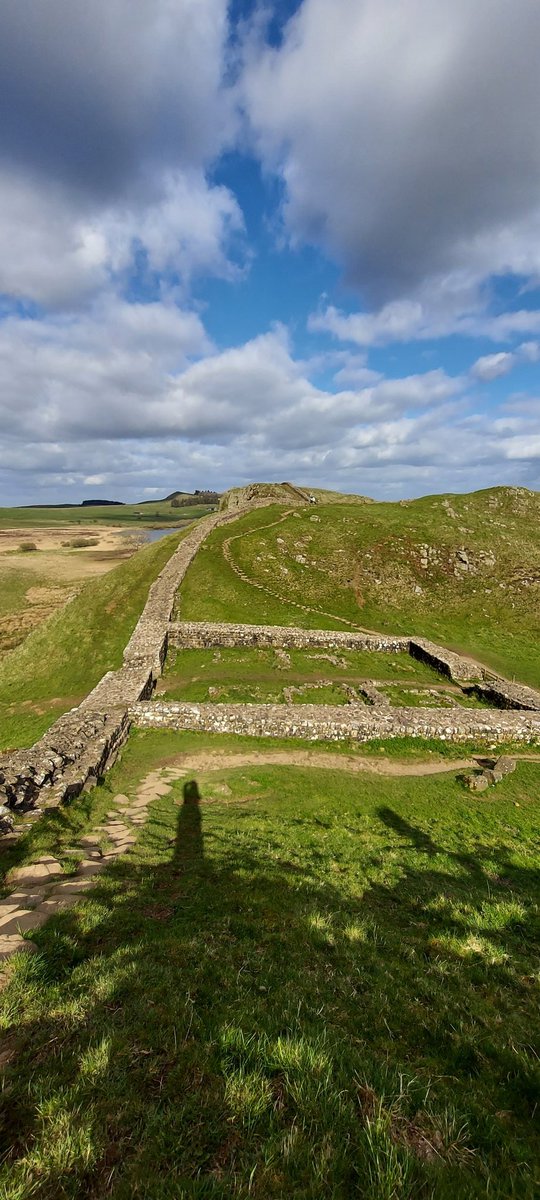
point(150, 535)
point(153, 535)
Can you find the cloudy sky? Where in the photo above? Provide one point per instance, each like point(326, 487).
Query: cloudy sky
point(297, 239)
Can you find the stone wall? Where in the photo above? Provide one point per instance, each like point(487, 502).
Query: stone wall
point(338, 723)
point(504, 694)
point(198, 635)
point(83, 742)
point(71, 755)
point(445, 661)
point(203, 635)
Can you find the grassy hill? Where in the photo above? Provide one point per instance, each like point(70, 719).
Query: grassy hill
point(464, 570)
point(147, 514)
point(62, 660)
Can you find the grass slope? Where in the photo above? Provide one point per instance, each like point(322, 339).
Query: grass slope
point(463, 570)
point(62, 660)
point(306, 985)
point(149, 513)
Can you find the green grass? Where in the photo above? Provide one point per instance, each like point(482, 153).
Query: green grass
point(323, 694)
point(243, 675)
point(363, 564)
point(149, 513)
point(63, 659)
point(430, 698)
point(309, 984)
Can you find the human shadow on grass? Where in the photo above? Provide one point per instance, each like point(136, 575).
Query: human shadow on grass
point(224, 1005)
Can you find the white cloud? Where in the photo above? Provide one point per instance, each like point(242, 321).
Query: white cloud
point(60, 251)
point(439, 310)
point(492, 366)
point(112, 113)
point(112, 398)
point(404, 135)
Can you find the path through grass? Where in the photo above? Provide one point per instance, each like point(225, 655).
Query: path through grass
point(301, 984)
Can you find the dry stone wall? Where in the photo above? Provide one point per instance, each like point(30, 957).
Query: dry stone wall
point(445, 661)
point(335, 723)
point(70, 756)
point(204, 635)
point(507, 695)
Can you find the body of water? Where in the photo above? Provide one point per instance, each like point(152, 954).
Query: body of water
point(154, 535)
point(149, 535)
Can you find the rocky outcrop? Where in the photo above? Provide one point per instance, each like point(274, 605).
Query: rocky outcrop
point(480, 781)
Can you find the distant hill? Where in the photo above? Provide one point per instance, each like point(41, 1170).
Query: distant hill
point(100, 503)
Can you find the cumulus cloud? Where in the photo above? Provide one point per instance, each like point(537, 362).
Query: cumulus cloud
point(443, 310)
point(404, 137)
point(493, 366)
point(135, 396)
point(97, 94)
point(112, 113)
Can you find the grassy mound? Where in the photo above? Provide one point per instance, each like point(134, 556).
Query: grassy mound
point(463, 570)
point(307, 984)
point(62, 660)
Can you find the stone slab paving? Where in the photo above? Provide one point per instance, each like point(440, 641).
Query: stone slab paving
point(29, 906)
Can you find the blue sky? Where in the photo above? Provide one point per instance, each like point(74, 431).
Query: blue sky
point(246, 241)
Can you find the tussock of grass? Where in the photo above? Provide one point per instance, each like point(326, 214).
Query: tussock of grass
point(306, 985)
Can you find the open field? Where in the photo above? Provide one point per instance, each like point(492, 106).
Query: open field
point(305, 981)
point(64, 657)
point(35, 583)
point(302, 677)
point(462, 570)
point(150, 513)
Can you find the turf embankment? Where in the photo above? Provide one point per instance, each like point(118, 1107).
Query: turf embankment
point(462, 570)
point(62, 660)
point(298, 983)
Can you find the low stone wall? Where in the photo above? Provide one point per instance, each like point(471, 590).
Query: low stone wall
point(445, 661)
point(205, 635)
point(72, 754)
point(84, 742)
point(504, 694)
point(338, 723)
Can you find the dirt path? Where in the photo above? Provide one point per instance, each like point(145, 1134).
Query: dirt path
point(354, 764)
